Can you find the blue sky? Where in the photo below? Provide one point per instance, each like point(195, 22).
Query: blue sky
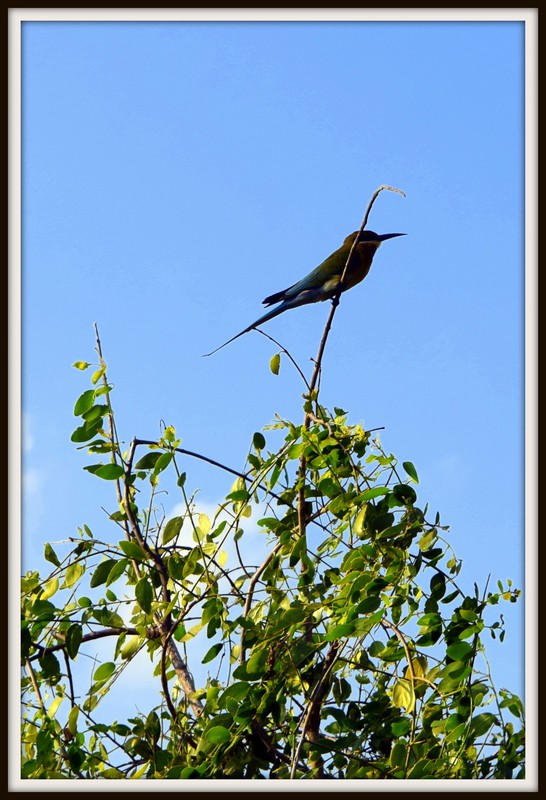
point(176, 173)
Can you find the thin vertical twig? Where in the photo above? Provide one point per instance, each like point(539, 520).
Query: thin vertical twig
point(335, 299)
point(312, 722)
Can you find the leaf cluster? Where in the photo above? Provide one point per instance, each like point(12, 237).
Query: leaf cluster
point(348, 649)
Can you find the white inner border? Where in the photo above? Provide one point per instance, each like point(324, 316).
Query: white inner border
point(527, 15)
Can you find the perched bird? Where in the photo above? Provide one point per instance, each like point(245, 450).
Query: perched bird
point(323, 282)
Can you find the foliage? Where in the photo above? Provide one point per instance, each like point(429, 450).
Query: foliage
point(349, 652)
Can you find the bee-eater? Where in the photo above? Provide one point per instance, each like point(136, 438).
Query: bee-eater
point(324, 281)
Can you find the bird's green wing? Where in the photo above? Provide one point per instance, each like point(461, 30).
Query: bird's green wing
point(333, 265)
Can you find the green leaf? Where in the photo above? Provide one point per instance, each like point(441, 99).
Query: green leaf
point(237, 691)
point(405, 494)
point(72, 723)
point(339, 632)
point(438, 586)
point(130, 647)
point(110, 472)
point(275, 364)
point(97, 411)
point(398, 755)
point(54, 707)
point(410, 469)
point(400, 727)
point(239, 496)
point(120, 730)
point(217, 734)
point(430, 621)
point(144, 594)
point(369, 604)
point(105, 670)
point(459, 651)
point(358, 525)
point(365, 624)
point(73, 639)
point(84, 402)
point(111, 773)
point(403, 695)
point(329, 487)
point(212, 653)
point(419, 665)
point(256, 663)
point(423, 767)
point(50, 555)
point(73, 573)
point(482, 723)
point(117, 570)
point(132, 550)
point(369, 494)
point(49, 664)
point(427, 540)
point(50, 588)
point(97, 375)
point(86, 432)
point(153, 727)
point(163, 462)
point(81, 364)
point(148, 461)
point(101, 573)
point(169, 434)
point(204, 523)
point(172, 529)
point(295, 450)
point(258, 440)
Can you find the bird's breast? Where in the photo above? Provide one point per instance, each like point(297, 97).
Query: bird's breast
point(360, 263)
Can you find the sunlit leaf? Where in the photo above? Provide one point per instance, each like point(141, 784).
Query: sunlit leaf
point(275, 364)
point(132, 550)
point(72, 723)
point(73, 573)
point(204, 523)
point(460, 651)
point(403, 695)
point(50, 588)
point(104, 671)
point(110, 472)
point(130, 647)
point(54, 707)
point(217, 734)
point(84, 402)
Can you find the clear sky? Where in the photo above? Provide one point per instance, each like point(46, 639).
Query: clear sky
point(174, 174)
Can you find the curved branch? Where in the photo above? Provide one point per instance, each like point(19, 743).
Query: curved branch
point(335, 299)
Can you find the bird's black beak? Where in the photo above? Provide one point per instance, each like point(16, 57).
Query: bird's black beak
point(384, 236)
